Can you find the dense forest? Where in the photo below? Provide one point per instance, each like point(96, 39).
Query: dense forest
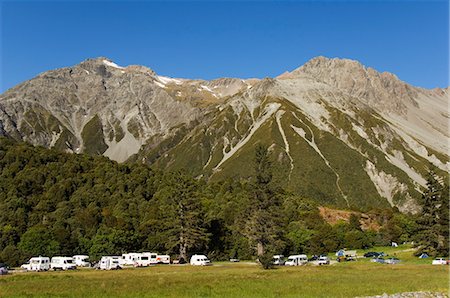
point(54, 203)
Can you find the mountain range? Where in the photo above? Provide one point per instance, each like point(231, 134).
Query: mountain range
point(337, 131)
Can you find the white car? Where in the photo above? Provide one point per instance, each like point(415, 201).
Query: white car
point(439, 261)
point(200, 260)
point(324, 261)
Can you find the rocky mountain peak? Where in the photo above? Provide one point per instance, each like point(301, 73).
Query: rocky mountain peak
point(383, 91)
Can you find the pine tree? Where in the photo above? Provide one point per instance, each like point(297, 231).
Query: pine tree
point(181, 214)
point(433, 222)
point(263, 224)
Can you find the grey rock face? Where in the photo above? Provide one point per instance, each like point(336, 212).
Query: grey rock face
point(321, 113)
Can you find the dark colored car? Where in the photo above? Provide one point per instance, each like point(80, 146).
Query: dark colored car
point(371, 254)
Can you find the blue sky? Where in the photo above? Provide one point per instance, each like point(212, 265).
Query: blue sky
point(210, 39)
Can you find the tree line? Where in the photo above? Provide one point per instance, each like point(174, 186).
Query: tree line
point(54, 203)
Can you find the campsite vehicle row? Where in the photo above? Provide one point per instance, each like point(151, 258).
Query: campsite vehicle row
point(144, 259)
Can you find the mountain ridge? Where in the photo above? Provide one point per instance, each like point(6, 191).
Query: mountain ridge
point(324, 122)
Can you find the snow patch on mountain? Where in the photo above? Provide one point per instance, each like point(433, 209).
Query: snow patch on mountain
point(112, 64)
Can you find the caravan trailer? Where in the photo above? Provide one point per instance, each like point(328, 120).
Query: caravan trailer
point(146, 259)
point(163, 259)
point(129, 259)
point(109, 263)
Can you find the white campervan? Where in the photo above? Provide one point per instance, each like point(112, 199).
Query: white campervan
point(129, 259)
point(37, 264)
point(296, 260)
point(200, 260)
point(62, 263)
point(163, 259)
point(109, 263)
point(145, 259)
point(81, 260)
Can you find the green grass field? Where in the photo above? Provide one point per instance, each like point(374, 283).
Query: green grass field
point(243, 279)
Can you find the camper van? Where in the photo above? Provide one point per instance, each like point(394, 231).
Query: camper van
point(200, 260)
point(145, 259)
point(109, 263)
point(81, 261)
point(278, 260)
point(296, 260)
point(163, 259)
point(37, 264)
point(62, 263)
point(129, 259)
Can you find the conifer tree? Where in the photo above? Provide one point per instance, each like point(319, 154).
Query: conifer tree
point(262, 226)
point(433, 222)
point(181, 214)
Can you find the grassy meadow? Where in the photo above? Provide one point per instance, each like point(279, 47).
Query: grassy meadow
point(245, 279)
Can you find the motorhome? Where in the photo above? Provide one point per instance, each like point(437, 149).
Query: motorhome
point(200, 260)
point(296, 260)
point(146, 259)
point(62, 263)
point(81, 261)
point(37, 264)
point(163, 259)
point(109, 263)
point(129, 259)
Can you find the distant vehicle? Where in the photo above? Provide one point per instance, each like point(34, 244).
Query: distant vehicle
point(235, 260)
point(37, 264)
point(81, 260)
point(109, 263)
point(145, 259)
point(278, 260)
point(129, 258)
point(3, 269)
point(324, 261)
point(163, 259)
point(62, 263)
point(296, 260)
point(392, 261)
point(200, 260)
point(371, 254)
point(378, 260)
point(439, 261)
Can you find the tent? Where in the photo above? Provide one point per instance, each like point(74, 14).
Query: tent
point(423, 256)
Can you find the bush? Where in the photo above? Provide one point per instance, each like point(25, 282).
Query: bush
point(266, 261)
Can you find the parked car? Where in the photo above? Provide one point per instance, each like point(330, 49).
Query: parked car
point(296, 260)
point(378, 260)
point(392, 261)
point(200, 260)
point(371, 254)
point(324, 261)
point(439, 261)
point(62, 263)
point(278, 260)
point(3, 269)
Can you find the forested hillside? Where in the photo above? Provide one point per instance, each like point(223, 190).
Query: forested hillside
point(54, 203)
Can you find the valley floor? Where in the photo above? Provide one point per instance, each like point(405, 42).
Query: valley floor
point(223, 279)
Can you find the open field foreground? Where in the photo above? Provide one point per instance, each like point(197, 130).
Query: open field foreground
point(231, 280)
